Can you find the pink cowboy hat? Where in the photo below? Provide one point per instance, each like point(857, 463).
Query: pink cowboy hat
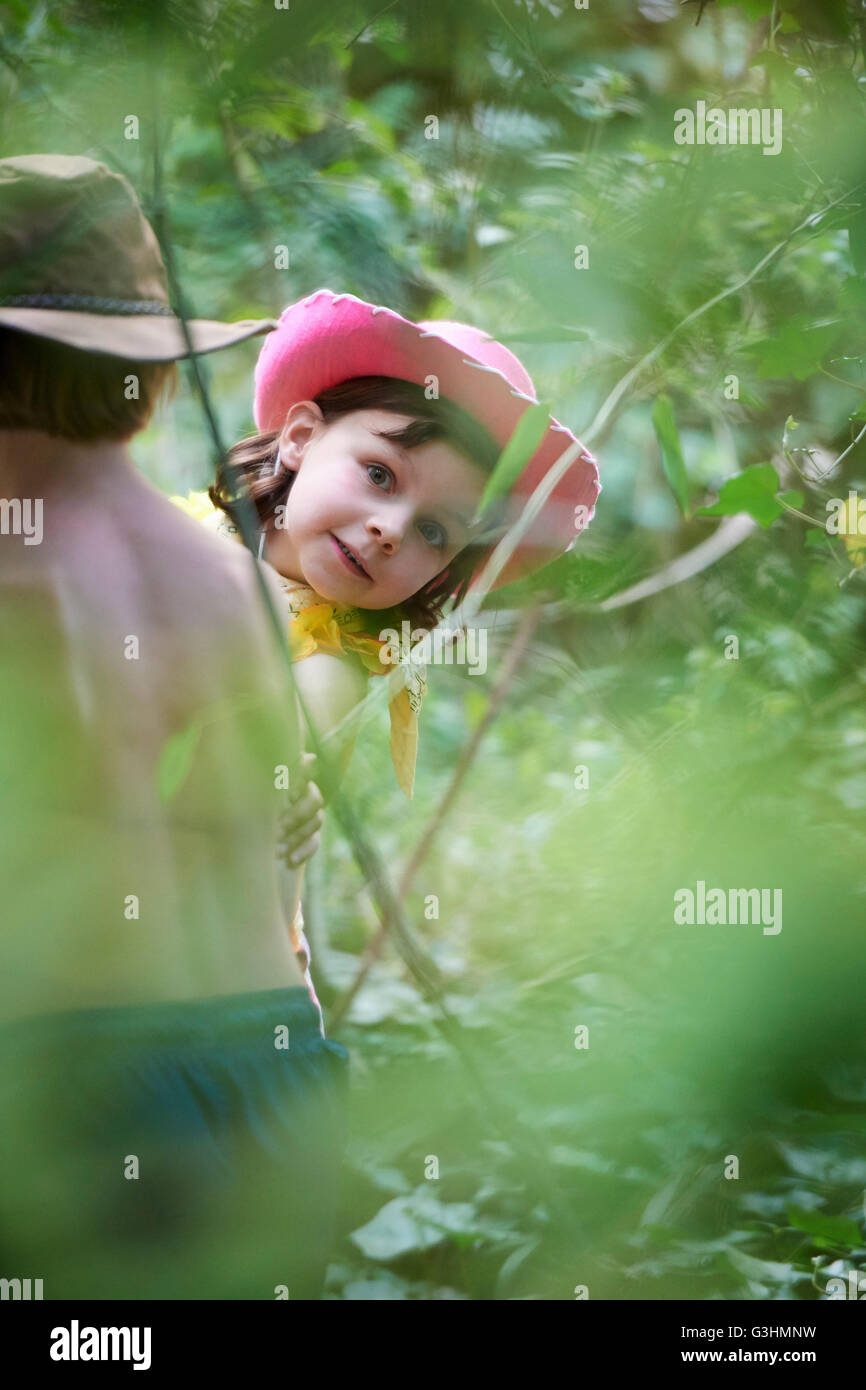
point(327, 338)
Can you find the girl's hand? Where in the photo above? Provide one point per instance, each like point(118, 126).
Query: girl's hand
point(301, 826)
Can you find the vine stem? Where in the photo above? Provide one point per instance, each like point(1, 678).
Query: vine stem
point(844, 454)
point(813, 521)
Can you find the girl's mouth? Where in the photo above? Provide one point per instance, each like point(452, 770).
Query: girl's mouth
point(346, 555)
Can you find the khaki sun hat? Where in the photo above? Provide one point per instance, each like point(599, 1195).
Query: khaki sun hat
point(80, 263)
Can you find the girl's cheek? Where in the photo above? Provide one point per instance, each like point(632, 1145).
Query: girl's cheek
point(356, 481)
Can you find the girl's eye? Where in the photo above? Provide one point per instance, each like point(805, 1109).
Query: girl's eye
point(376, 473)
point(439, 539)
point(378, 468)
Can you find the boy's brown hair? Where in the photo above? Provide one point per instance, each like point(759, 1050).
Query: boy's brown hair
point(76, 395)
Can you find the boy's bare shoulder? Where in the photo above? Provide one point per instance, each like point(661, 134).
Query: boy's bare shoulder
point(218, 577)
point(219, 645)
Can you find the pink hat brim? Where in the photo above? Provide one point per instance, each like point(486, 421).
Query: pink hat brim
point(328, 338)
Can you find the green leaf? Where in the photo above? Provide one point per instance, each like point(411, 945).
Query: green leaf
point(525, 439)
point(512, 1264)
point(792, 498)
point(412, 1223)
point(839, 1230)
point(672, 454)
point(783, 85)
point(770, 1271)
point(753, 491)
point(175, 761)
point(796, 350)
point(820, 540)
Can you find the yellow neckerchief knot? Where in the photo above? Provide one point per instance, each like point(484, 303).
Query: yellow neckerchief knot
point(317, 624)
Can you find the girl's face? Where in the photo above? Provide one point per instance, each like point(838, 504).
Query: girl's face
point(404, 514)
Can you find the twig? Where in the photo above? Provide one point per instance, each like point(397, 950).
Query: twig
point(844, 454)
point(370, 21)
point(731, 533)
point(546, 76)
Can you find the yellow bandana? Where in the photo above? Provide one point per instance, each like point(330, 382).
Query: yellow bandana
point(316, 624)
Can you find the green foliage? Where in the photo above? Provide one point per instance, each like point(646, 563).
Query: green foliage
point(289, 128)
point(525, 439)
point(834, 1232)
point(797, 350)
point(753, 491)
point(672, 454)
point(176, 760)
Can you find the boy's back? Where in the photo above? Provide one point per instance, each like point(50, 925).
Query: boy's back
point(124, 628)
point(167, 1095)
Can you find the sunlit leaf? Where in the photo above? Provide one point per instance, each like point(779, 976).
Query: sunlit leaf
point(412, 1223)
point(753, 491)
point(796, 350)
point(839, 1230)
point(175, 761)
point(672, 454)
point(769, 1271)
point(524, 441)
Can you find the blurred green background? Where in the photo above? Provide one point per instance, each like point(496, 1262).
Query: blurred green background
point(309, 128)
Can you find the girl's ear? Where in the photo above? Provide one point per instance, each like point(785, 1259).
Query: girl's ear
point(301, 423)
point(287, 452)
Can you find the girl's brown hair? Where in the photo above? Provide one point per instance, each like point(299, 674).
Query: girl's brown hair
point(252, 464)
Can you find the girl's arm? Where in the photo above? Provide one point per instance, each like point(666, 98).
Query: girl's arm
point(331, 687)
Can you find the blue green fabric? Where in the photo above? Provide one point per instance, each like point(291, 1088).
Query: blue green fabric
point(172, 1150)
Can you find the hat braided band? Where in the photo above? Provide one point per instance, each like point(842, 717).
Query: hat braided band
point(86, 303)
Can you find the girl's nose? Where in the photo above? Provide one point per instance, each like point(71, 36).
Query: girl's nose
point(388, 531)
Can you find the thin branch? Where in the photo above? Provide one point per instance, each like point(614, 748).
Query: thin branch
point(844, 454)
point(795, 511)
point(547, 77)
point(370, 21)
point(852, 385)
point(731, 533)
